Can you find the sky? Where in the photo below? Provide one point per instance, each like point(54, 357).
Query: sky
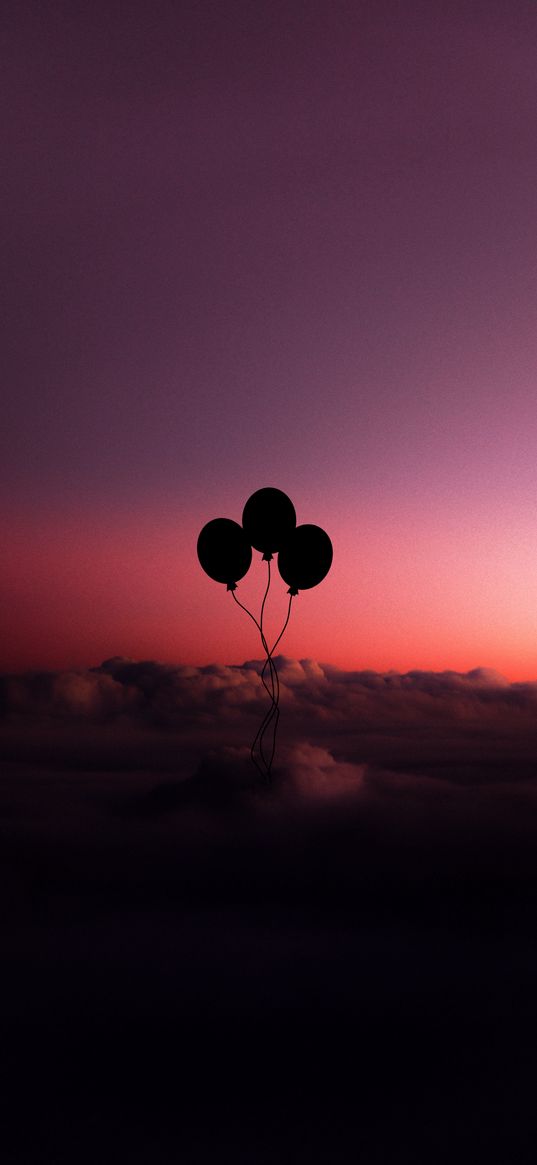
point(270, 244)
point(255, 244)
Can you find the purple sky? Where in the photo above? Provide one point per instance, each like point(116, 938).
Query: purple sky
point(276, 243)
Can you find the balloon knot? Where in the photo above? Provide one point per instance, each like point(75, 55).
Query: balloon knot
point(292, 591)
point(267, 557)
point(231, 587)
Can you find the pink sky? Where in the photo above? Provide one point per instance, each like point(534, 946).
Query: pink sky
point(272, 247)
point(410, 587)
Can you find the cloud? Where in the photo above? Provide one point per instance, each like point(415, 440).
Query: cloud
point(374, 772)
point(403, 807)
point(468, 729)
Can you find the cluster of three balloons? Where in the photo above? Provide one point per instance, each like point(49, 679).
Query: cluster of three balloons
point(269, 525)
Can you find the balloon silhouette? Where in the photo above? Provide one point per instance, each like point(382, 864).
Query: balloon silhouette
point(224, 551)
point(268, 519)
point(305, 559)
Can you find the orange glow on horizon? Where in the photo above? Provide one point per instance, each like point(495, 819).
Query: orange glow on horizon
point(401, 595)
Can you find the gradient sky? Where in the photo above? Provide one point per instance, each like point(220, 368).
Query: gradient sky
point(280, 244)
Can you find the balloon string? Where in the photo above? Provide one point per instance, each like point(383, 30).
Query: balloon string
point(273, 691)
point(260, 734)
point(274, 712)
point(274, 646)
point(264, 772)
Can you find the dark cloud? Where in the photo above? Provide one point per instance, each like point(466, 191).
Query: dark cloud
point(358, 936)
point(463, 728)
point(377, 772)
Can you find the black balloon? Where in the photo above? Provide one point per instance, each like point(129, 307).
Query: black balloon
point(224, 551)
point(306, 558)
point(268, 520)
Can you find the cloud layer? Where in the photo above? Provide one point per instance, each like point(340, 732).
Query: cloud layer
point(374, 773)
point(466, 729)
point(380, 891)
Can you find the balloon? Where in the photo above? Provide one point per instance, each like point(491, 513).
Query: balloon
point(268, 519)
point(224, 551)
point(305, 559)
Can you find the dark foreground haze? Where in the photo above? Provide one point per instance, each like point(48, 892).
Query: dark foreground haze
point(336, 968)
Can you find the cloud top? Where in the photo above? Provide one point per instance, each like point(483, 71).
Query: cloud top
point(466, 729)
